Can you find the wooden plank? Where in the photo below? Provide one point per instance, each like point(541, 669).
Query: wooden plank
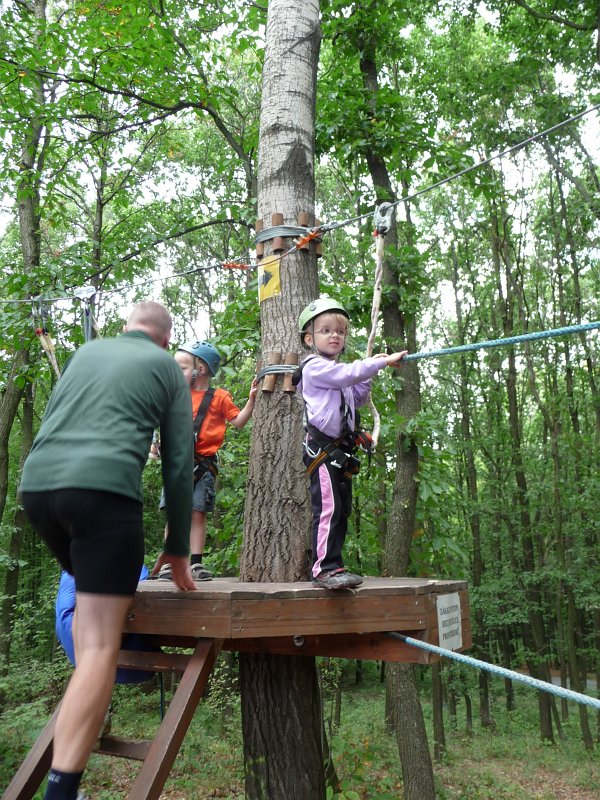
point(327, 614)
point(234, 610)
point(161, 755)
point(155, 662)
point(134, 749)
point(35, 767)
point(222, 588)
point(370, 586)
point(180, 613)
point(365, 646)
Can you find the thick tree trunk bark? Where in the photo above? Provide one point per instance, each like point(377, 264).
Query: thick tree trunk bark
point(11, 581)
point(281, 713)
point(479, 639)
point(400, 330)
point(439, 735)
point(533, 632)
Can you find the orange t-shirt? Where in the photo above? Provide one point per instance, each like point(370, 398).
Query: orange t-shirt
point(221, 410)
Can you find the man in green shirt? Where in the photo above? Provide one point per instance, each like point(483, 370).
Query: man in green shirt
point(82, 490)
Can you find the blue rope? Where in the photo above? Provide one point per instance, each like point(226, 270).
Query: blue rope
point(525, 337)
point(543, 686)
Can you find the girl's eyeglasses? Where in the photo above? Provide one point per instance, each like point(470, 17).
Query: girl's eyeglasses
point(331, 332)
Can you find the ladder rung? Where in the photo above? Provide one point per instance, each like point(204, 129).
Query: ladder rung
point(153, 662)
point(136, 749)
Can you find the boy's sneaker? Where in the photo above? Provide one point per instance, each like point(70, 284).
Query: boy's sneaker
point(82, 796)
point(337, 579)
point(165, 573)
point(200, 573)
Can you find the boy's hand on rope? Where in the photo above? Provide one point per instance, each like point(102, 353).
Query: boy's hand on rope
point(395, 359)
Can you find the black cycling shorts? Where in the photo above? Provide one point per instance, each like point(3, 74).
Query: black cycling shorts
point(96, 536)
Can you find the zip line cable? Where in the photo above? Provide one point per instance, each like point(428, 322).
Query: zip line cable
point(407, 198)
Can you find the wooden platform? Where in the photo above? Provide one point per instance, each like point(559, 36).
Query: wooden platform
point(299, 619)
point(287, 619)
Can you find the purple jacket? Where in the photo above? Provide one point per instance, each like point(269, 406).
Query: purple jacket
point(321, 383)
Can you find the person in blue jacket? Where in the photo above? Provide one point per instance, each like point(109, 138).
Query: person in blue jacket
point(65, 608)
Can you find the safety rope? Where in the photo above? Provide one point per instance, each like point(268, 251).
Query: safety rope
point(383, 222)
point(507, 340)
point(48, 348)
point(86, 294)
point(41, 331)
point(543, 686)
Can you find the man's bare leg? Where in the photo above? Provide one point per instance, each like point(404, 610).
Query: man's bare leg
point(97, 638)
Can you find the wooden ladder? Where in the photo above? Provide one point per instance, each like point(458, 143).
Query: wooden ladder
point(157, 754)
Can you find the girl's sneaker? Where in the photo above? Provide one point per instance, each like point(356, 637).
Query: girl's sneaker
point(337, 579)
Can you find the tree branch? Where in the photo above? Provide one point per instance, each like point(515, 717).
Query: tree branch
point(578, 26)
point(183, 232)
point(123, 93)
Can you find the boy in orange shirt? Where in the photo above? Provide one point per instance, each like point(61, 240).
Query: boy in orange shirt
point(212, 409)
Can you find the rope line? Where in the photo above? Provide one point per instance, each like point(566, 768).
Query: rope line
point(379, 249)
point(543, 686)
point(507, 340)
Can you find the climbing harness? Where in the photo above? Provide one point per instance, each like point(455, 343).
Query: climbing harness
point(203, 464)
point(339, 451)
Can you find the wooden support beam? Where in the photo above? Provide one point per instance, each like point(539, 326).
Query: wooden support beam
point(363, 646)
point(161, 755)
point(133, 749)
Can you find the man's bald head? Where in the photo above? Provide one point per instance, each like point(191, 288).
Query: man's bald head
point(153, 319)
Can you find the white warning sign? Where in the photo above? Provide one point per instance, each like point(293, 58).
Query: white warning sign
point(449, 621)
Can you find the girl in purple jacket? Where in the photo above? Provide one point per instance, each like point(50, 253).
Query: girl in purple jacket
point(331, 392)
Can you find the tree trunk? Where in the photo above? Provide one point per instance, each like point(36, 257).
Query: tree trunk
point(439, 735)
point(283, 755)
point(400, 330)
point(11, 580)
point(417, 770)
point(468, 714)
point(533, 631)
point(479, 633)
point(9, 405)
point(281, 715)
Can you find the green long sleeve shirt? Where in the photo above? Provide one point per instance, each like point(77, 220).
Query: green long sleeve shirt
point(97, 428)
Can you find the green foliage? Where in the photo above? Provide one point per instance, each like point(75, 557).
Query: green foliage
point(133, 131)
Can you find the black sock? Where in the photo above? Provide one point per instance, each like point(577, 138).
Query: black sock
point(196, 558)
point(62, 785)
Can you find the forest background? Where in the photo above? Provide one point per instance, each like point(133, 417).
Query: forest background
point(129, 165)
